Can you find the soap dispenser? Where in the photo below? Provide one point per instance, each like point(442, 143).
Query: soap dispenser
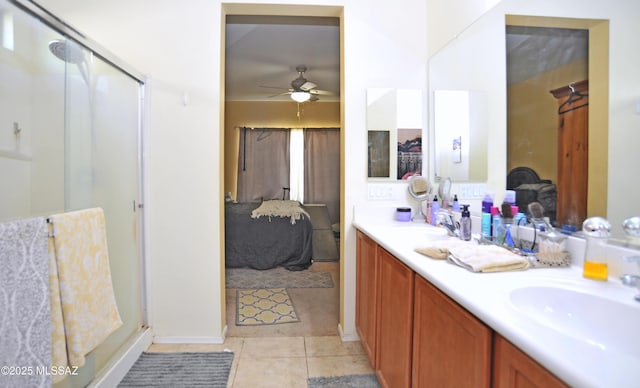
point(596, 231)
point(465, 224)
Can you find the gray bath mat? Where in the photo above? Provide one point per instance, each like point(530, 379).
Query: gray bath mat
point(210, 369)
point(348, 381)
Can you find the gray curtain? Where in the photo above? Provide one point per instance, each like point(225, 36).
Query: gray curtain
point(263, 164)
point(322, 169)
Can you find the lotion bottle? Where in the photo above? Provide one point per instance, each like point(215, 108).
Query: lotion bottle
point(456, 205)
point(465, 224)
point(435, 208)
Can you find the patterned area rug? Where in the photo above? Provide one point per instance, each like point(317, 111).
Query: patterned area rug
point(276, 278)
point(349, 381)
point(269, 306)
point(179, 370)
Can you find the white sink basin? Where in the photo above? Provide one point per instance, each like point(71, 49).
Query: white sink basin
point(600, 322)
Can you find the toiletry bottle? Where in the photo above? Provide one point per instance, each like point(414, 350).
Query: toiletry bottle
point(486, 226)
point(498, 229)
point(485, 220)
point(465, 224)
point(456, 205)
point(495, 212)
point(487, 202)
point(596, 231)
point(435, 208)
point(510, 197)
point(508, 239)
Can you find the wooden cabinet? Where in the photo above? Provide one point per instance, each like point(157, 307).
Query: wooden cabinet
point(366, 296)
point(416, 336)
point(395, 322)
point(451, 347)
point(573, 152)
point(514, 369)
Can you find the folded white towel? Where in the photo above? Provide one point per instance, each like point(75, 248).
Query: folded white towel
point(487, 258)
point(440, 249)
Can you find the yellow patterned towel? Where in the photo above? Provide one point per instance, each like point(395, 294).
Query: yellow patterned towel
point(58, 342)
point(89, 307)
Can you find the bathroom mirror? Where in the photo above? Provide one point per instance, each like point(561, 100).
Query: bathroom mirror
point(476, 59)
point(394, 133)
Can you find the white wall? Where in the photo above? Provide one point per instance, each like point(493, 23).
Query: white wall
point(385, 45)
point(178, 46)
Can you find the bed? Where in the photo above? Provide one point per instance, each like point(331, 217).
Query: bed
point(265, 241)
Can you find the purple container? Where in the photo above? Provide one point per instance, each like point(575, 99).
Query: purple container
point(403, 214)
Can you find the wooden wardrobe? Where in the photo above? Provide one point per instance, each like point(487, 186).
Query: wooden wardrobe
point(573, 152)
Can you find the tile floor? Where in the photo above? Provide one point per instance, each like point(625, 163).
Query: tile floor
point(286, 355)
point(283, 361)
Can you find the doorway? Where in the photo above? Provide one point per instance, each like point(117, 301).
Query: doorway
point(280, 112)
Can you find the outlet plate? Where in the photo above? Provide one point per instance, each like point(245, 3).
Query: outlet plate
point(380, 192)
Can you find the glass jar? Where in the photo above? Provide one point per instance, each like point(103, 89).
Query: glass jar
point(597, 231)
point(552, 250)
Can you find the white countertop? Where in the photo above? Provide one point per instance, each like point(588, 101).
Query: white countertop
point(579, 359)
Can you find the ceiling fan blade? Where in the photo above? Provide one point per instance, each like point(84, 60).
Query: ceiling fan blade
point(307, 86)
point(321, 92)
point(279, 94)
point(275, 87)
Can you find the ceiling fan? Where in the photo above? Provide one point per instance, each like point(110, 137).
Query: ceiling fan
point(301, 89)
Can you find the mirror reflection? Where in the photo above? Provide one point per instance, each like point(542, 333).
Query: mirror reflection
point(460, 135)
point(476, 59)
point(547, 158)
point(394, 128)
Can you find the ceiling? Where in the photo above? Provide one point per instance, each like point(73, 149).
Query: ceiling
point(532, 51)
point(262, 53)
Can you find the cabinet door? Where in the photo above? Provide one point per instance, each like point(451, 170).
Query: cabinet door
point(366, 280)
point(513, 368)
point(451, 347)
point(395, 321)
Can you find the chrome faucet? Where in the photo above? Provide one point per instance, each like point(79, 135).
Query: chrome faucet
point(632, 280)
point(445, 218)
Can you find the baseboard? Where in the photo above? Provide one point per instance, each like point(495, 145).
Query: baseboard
point(347, 338)
point(123, 360)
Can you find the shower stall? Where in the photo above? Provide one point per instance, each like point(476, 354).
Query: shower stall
point(70, 139)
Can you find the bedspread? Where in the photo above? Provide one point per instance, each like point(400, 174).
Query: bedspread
point(265, 242)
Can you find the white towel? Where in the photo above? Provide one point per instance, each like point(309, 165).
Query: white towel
point(88, 302)
point(440, 249)
point(487, 258)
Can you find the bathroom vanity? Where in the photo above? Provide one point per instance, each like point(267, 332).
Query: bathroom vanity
point(426, 322)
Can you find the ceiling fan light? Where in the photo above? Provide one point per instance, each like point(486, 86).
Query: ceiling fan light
point(300, 96)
